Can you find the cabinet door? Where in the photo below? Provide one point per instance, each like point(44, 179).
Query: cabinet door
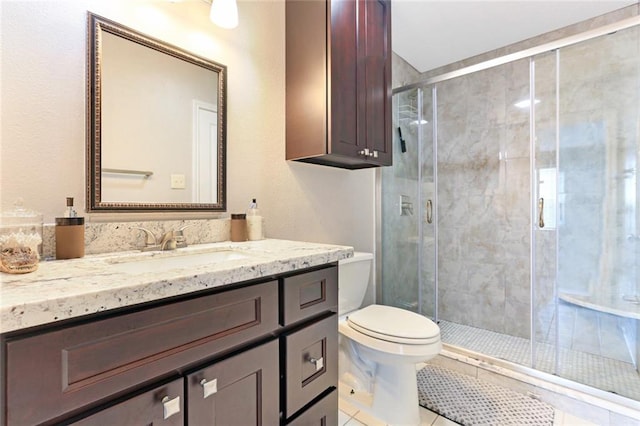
point(360, 53)
point(241, 390)
point(161, 406)
point(343, 53)
point(374, 64)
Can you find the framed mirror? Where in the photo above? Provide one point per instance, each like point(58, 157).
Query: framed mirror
point(156, 124)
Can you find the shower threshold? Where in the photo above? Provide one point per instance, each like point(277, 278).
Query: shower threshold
point(509, 356)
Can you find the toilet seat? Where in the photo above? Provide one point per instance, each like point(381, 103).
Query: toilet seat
point(394, 325)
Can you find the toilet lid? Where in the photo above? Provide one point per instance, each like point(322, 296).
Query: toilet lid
point(394, 325)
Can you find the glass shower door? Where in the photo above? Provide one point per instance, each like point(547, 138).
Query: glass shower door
point(484, 221)
point(598, 145)
point(428, 201)
point(408, 276)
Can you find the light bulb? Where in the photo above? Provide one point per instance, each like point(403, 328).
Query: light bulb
point(224, 13)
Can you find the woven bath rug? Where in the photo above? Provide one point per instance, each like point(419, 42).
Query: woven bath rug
point(470, 402)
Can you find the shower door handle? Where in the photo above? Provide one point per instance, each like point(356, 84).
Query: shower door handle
point(429, 211)
point(541, 213)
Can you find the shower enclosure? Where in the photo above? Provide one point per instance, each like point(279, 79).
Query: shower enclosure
point(511, 213)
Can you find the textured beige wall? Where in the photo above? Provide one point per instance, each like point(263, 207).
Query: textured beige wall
point(43, 115)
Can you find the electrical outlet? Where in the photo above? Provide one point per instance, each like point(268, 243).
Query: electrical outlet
point(178, 182)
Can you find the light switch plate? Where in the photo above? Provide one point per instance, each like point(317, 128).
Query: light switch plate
point(178, 181)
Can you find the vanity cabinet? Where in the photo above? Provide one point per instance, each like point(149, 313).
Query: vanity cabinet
point(221, 356)
point(338, 82)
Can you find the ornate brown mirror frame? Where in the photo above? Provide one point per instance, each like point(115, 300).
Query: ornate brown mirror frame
point(98, 27)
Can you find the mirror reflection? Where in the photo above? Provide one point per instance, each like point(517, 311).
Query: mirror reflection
point(158, 136)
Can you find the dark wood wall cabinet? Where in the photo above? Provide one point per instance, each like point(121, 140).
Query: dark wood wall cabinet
point(253, 354)
point(338, 82)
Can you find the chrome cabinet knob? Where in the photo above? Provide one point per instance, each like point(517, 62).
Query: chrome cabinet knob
point(209, 387)
point(319, 363)
point(170, 406)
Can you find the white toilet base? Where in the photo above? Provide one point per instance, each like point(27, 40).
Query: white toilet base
point(395, 397)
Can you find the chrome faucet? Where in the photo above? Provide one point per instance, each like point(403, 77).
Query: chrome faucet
point(170, 240)
point(181, 240)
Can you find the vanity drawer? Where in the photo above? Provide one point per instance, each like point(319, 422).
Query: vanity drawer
point(322, 413)
point(311, 362)
point(87, 363)
point(309, 294)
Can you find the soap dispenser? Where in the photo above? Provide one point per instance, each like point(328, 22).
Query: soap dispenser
point(254, 222)
point(69, 233)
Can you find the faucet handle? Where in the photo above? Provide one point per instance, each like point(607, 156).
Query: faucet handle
point(150, 237)
point(181, 240)
point(182, 228)
point(168, 241)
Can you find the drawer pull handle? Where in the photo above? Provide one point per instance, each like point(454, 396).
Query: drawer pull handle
point(209, 387)
point(319, 363)
point(170, 406)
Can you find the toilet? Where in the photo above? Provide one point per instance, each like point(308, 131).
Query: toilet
point(379, 348)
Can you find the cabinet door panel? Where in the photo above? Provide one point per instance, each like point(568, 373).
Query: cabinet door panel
point(344, 78)
point(376, 52)
point(241, 390)
point(311, 363)
point(144, 409)
point(306, 57)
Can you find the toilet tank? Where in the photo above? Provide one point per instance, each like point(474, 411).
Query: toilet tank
point(353, 279)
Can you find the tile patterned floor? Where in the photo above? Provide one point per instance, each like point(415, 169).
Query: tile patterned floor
point(351, 416)
point(595, 370)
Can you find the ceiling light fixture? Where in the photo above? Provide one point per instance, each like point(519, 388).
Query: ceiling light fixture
point(526, 103)
point(224, 13)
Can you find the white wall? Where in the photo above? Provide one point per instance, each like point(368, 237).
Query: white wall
point(43, 110)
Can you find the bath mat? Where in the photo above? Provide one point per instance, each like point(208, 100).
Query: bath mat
point(469, 401)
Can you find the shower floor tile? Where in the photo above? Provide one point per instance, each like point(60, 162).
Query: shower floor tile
point(609, 374)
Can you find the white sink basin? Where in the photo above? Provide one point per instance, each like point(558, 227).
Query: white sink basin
point(178, 261)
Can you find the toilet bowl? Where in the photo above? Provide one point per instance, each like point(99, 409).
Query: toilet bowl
point(379, 347)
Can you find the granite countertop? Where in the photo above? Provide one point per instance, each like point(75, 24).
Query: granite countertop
point(64, 289)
